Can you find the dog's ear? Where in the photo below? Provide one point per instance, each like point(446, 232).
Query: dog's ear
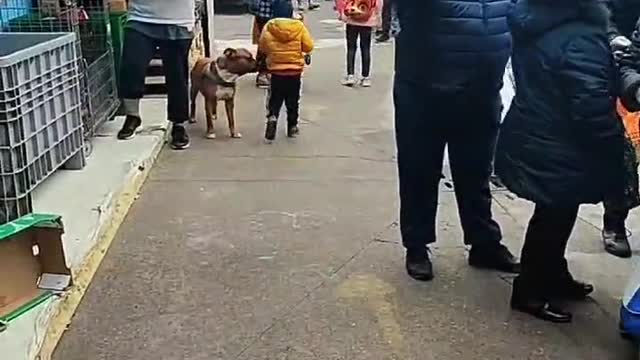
point(221, 62)
point(229, 52)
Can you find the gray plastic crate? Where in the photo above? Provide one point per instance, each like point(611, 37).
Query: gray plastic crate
point(40, 114)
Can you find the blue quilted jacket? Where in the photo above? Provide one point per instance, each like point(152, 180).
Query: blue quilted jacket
point(453, 45)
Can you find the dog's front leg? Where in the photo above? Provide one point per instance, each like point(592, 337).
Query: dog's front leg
point(212, 115)
point(230, 107)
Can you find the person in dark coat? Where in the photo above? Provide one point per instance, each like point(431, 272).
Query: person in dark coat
point(450, 60)
point(561, 143)
point(623, 16)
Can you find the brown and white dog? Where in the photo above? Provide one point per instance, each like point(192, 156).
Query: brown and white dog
point(216, 81)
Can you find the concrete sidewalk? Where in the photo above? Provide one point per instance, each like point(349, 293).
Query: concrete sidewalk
point(241, 250)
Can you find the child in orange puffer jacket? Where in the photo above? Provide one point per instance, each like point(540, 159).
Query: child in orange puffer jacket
point(286, 43)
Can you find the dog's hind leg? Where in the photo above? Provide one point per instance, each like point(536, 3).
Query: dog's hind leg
point(211, 107)
point(230, 107)
point(194, 97)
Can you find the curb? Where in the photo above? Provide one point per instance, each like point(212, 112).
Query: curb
point(120, 204)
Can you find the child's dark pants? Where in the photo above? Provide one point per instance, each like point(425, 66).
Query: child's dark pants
point(353, 33)
point(285, 89)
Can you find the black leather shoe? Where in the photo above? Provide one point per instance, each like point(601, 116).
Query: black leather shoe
point(543, 310)
point(498, 258)
point(573, 290)
point(523, 299)
point(419, 265)
point(616, 243)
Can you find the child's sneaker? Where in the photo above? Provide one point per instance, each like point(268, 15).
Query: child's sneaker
point(349, 81)
point(272, 127)
point(293, 132)
point(365, 82)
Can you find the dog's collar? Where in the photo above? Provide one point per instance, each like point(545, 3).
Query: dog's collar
point(220, 76)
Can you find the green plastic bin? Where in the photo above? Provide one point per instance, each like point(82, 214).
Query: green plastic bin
point(118, 22)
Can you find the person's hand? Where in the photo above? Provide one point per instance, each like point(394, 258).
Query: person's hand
point(620, 43)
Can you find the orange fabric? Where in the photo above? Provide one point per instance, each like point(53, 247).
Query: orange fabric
point(285, 42)
point(631, 121)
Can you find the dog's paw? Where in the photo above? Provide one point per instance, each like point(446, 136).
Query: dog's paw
point(210, 136)
point(236, 136)
point(192, 121)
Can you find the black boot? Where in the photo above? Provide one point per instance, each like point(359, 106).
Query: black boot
point(494, 258)
point(616, 242)
point(524, 299)
point(419, 265)
point(271, 129)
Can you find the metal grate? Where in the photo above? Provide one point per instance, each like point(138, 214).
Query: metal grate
point(90, 22)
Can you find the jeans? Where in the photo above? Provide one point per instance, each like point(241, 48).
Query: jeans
point(543, 256)
point(426, 123)
point(364, 33)
point(138, 52)
point(261, 58)
point(285, 89)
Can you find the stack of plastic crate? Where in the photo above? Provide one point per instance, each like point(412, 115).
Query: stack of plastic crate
point(40, 115)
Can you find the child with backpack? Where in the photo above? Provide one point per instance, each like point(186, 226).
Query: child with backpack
point(361, 18)
point(286, 42)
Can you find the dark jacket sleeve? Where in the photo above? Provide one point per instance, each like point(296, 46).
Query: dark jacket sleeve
point(629, 63)
point(586, 74)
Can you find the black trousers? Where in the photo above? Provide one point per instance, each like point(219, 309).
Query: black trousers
point(615, 216)
point(426, 122)
point(138, 52)
point(364, 33)
point(285, 89)
point(386, 17)
point(544, 266)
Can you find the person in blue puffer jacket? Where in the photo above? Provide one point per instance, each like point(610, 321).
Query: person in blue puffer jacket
point(450, 61)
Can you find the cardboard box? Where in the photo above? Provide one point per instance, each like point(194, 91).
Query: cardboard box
point(32, 264)
point(117, 6)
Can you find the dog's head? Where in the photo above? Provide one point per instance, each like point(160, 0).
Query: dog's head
point(237, 62)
